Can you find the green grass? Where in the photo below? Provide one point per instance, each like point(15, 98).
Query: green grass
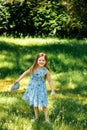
point(68, 64)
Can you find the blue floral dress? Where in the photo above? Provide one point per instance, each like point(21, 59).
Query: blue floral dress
point(36, 93)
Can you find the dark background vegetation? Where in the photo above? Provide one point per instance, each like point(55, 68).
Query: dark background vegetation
point(43, 18)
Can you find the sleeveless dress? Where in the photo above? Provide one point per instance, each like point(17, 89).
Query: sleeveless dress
point(36, 93)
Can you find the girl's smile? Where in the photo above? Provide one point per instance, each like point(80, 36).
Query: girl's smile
point(41, 61)
point(36, 92)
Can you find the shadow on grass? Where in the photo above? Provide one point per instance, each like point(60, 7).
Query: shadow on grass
point(81, 90)
point(41, 124)
point(70, 112)
point(17, 58)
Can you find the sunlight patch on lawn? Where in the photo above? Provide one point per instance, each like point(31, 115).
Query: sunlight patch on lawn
point(29, 41)
point(6, 60)
point(17, 123)
point(69, 60)
point(25, 61)
point(77, 76)
point(26, 57)
point(73, 41)
point(8, 100)
point(3, 114)
point(70, 79)
point(6, 83)
point(71, 96)
point(62, 127)
point(80, 116)
point(6, 64)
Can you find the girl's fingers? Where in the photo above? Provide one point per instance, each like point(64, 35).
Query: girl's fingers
point(16, 82)
point(53, 94)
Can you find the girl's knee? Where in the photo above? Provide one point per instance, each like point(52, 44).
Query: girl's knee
point(44, 108)
point(35, 108)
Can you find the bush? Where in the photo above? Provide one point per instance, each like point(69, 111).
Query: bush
point(43, 18)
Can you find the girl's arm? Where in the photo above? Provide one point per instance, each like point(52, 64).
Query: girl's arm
point(23, 75)
point(48, 76)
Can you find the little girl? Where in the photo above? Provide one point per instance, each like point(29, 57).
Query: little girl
point(36, 93)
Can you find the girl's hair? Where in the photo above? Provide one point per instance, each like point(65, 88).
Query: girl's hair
point(34, 66)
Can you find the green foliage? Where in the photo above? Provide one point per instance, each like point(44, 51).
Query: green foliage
point(43, 18)
point(4, 16)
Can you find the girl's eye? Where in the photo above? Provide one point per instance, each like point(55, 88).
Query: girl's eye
point(41, 60)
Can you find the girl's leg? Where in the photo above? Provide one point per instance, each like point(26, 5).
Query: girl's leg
point(46, 113)
point(36, 112)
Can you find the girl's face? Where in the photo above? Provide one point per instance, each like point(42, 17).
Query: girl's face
point(41, 61)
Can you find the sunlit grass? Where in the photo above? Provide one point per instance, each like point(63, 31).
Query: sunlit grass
point(68, 66)
point(70, 60)
point(29, 41)
point(10, 100)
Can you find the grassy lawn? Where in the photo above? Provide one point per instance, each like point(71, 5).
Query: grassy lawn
point(68, 64)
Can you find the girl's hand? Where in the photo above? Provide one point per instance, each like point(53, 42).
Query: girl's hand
point(53, 94)
point(16, 82)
